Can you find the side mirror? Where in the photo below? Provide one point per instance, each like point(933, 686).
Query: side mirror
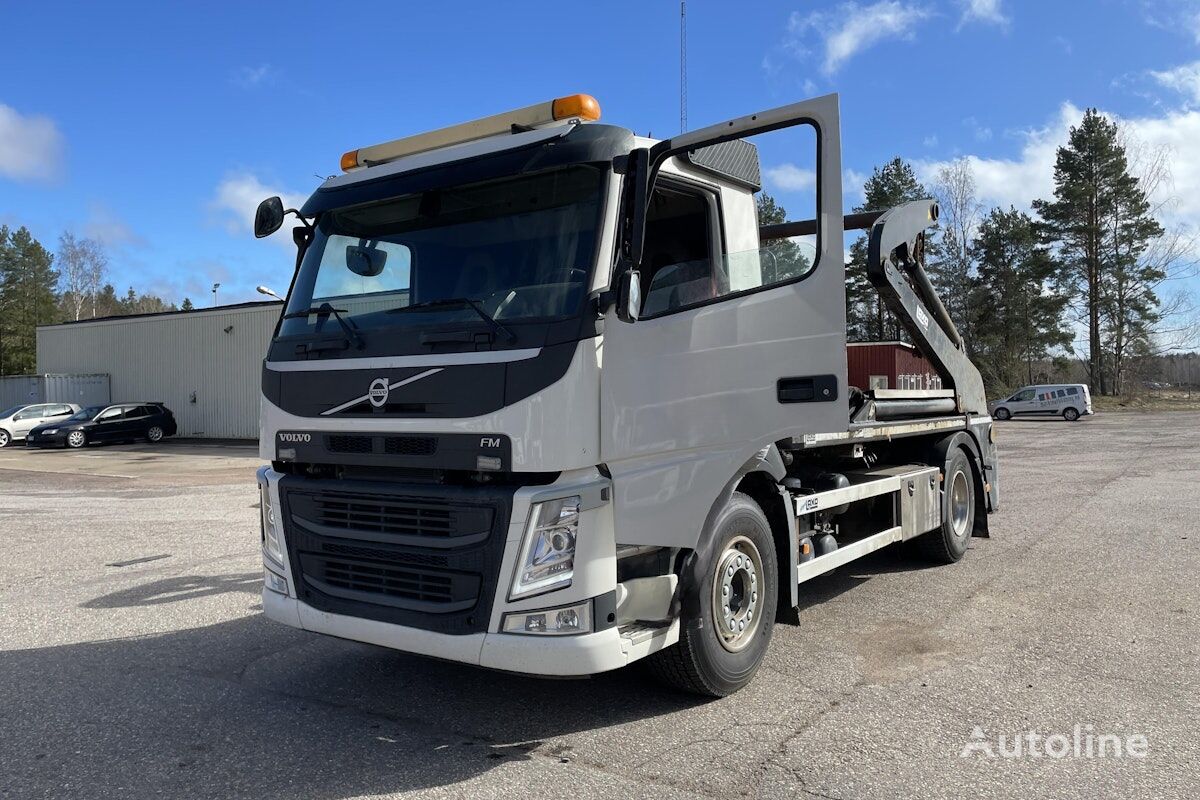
point(629, 296)
point(268, 218)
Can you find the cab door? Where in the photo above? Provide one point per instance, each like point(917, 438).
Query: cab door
point(732, 353)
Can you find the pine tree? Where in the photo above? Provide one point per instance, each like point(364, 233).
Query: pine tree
point(867, 318)
point(782, 258)
point(1016, 320)
point(1100, 225)
point(27, 299)
point(187, 305)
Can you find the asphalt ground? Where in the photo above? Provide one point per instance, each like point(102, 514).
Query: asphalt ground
point(134, 660)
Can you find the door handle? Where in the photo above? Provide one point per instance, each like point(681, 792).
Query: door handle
point(807, 389)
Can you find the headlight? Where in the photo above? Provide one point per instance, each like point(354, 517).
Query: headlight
point(270, 536)
point(548, 552)
point(50, 431)
point(274, 581)
point(563, 621)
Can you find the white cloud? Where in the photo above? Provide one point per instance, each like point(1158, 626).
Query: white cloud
point(105, 226)
point(852, 28)
point(236, 199)
point(852, 187)
point(790, 178)
point(1028, 176)
point(984, 12)
point(931, 140)
point(982, 133)
point(251, 77)
point(31, 147)
point(1184, 79)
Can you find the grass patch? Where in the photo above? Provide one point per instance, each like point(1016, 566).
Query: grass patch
point(1150, 400)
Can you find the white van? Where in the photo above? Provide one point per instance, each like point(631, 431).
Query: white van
point(1070, 400)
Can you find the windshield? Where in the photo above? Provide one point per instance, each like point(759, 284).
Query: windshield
point(8, 412)
point(86, 414)
point(517, 249)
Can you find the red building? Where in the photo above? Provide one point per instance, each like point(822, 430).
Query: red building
point(889, 365)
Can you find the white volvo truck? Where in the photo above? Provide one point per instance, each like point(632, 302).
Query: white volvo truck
point(545, 398)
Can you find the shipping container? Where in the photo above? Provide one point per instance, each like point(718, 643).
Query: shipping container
point(86, 390)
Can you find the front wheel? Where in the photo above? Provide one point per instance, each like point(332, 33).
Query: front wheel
point(76, 439)
point(1070, 414)
point(724, 636)
point(154, 434)
point(5, 439)
point(1002, 413)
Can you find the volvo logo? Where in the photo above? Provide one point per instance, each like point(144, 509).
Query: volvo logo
point(295, 437)
point(378, 392)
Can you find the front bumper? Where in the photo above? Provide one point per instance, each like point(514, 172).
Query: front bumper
point(58, 439)
point(481, 643)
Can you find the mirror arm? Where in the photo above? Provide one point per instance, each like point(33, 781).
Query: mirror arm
point(303, 220)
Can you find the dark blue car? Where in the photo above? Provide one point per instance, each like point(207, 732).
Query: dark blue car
point(119, 422)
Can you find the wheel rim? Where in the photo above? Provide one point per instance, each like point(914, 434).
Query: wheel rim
point(75, 439)
point(960, 503)
point(1071, 414)
point(154, 434)
point(736, 600)
point(3, 438)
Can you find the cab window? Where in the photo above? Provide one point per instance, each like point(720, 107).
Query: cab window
point(677, 263)
point(1024, 394)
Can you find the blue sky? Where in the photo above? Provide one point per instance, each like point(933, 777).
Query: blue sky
point(156, 127)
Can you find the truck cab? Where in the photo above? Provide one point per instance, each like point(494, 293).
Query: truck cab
point(544, 398)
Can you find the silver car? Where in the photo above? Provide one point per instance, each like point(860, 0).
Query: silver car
point(19, 420)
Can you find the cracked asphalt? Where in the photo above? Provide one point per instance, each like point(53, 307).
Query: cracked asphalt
point(134, 661)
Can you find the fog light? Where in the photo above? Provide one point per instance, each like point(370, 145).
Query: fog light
point(276, 583)
point(551, 621)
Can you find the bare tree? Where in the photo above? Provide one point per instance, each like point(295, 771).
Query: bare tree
point(954, 188)
point(82, 264)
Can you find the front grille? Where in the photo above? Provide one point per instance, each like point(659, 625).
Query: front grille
point(402, 518)
point(349, 444)
point(358, 444)
point(410, 445)
point(425, 556)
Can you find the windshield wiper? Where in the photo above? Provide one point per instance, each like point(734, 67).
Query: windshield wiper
point(460, 302)
point(324, 310)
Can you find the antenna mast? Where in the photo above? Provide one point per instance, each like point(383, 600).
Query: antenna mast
point(682, 66)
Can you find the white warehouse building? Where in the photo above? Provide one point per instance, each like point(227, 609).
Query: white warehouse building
point(206, 364)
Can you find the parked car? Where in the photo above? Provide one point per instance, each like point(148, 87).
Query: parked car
point(112, 423)
point(18, 421)
point(1070, 400)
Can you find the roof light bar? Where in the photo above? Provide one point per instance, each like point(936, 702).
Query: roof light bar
point(577, 106)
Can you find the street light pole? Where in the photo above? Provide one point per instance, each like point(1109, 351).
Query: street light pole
point(214, 292)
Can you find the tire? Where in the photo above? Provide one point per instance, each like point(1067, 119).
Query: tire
point(76, 439)
point(5, 439)
point(154, 434)
point(719, 651)
point(1002, 413)
point(1070, 414)
point(947, 543)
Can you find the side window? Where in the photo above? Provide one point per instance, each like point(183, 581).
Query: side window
point(1072, 390)
point(60, 411)
point(109, 415)
point(1024, 394)
point(678, 265)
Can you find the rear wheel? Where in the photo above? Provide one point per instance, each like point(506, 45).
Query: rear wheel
point(154, 434)
point(1070, 414)
point(5, 439)
point(722, 643)
point(76, 439)
point(1002, 413)
point(947, 543)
